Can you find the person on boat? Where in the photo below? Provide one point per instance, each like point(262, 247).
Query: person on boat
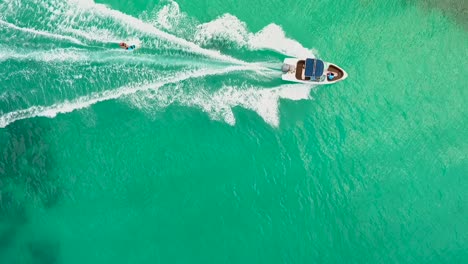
point(330, 76)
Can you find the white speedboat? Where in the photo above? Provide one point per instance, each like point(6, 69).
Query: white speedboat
point(312, 71)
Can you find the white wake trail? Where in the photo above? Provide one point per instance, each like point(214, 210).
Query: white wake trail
point(57, 55)
point(219, 105)
point(41, 33)
point(231, 29)
point(139, 25)
point(76, 55)
point(86, 101)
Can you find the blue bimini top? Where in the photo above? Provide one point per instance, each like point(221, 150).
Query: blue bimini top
point(313, 68)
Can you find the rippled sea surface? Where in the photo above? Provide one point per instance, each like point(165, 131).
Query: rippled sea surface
point(191, 149)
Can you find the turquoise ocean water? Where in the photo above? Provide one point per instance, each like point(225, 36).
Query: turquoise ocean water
point(193, 150)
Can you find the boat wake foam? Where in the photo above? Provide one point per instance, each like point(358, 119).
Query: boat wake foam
point(230, 28)
point(88, 100)
point(73, 21)
point(40, 33)
point(219, 105)
point(227, 29)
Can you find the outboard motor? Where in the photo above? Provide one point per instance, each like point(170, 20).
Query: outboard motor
point(286, 68)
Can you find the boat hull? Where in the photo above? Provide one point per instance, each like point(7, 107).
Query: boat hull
point(290, 68)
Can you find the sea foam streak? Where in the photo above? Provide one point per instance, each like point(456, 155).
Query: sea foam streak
point(230, 29)
point(271, 37)
point(74, 55)
point(136, 24)
point(57, 55)
point(41, 33)
point(86, 101)
point(96, 34)
point(219, 105)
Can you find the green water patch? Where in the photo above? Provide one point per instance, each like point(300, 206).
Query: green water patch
point(199, 203)
point(44, 251)
point(26, 163)
point(456, 9)
point(27, 185)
